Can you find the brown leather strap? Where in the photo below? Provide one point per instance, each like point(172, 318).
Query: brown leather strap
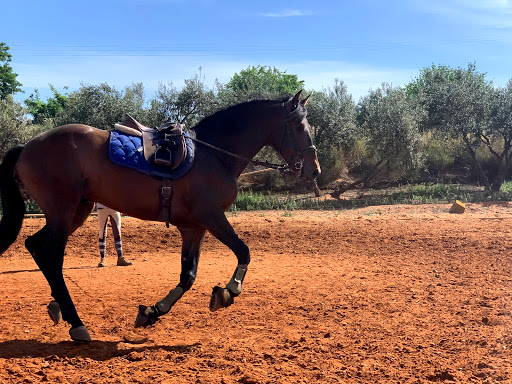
point(165, 202)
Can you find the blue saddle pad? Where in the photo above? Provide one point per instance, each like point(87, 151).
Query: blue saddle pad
point(127, 151)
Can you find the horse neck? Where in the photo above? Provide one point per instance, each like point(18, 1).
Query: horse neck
point(247, 136)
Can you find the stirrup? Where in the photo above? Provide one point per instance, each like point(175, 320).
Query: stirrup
point(163, 156)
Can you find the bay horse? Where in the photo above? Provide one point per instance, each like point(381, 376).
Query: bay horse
point(67, 169)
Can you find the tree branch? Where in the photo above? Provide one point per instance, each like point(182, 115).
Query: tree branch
point(375, 169)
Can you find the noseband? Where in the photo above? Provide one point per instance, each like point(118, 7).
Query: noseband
point(298, 152)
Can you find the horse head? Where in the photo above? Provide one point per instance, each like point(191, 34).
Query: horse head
point(295, 144)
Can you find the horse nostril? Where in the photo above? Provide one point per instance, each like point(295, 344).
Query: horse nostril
point(316, 173)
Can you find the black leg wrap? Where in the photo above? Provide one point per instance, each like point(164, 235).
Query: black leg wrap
point(147, 316)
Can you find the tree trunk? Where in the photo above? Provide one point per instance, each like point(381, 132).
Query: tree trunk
point(482, 177)
point(500, 178)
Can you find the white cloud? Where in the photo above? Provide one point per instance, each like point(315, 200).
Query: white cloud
point(285, 13)
point(489, 13)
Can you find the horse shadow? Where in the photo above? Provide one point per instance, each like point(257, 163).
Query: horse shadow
point(96, 350)
point(38, 270)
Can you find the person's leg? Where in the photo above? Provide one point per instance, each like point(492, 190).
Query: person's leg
point(102, 226)
point(115, 221)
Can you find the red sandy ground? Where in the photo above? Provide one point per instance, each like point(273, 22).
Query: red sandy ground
point(407, 294)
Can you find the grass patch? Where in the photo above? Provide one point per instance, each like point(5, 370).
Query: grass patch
point(248, 200)
point(408, 194)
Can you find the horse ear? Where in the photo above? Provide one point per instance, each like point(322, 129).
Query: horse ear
point(305, 101)
point(293, 103)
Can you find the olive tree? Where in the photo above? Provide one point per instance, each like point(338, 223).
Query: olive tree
point(332, 115)
point(390, 122)
point(187, 105)
point(101, 106)
point(15, 125)
point(461, 103)
point(498, 137)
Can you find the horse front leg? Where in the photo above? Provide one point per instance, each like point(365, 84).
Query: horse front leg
point(220, 227)
point(192, 241)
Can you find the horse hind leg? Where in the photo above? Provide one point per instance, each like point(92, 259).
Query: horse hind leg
point(47, 248)
point(36, 241)
point(192, 240)
point(33, 244)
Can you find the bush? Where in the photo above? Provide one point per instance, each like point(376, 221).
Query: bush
point(439, 154)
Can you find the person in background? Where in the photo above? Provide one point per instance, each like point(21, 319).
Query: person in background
point(115, 220)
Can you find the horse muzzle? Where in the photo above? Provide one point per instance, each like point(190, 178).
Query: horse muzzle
point(310, 173)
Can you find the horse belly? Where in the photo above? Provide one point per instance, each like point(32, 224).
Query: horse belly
point(125, 190)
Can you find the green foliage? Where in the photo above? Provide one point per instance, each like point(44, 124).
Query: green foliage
point(8, 83)
point(440, 153)
point(260, 82)
point(188, 105)
point(32, 207)
point(390, 124)
point(409, 194)
point(14, 124)
point(332, 114)
point(463, 104)
point(249, 201)
point(102, 106)
point(46, 110)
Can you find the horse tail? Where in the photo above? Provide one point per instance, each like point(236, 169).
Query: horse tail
point(13, 205)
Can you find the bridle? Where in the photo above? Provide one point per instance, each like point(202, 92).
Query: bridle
point(284, 168)
point(298, 152)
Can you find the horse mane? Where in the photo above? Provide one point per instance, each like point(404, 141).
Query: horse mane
point(227, 120)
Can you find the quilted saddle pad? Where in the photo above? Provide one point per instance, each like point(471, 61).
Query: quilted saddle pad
point(128, 151)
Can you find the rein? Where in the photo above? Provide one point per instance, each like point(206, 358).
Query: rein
point(284, 168)
point(280, 167)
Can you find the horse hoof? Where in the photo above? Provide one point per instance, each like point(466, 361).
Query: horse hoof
point(80, 334)
point(54, 312)
point(145, 317)
point(221, 298)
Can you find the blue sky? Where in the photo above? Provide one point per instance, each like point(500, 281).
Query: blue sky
point(362, 42)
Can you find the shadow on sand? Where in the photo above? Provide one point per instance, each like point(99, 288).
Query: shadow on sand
point(96, 349)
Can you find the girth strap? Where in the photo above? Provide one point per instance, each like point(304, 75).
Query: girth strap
point(165, 202)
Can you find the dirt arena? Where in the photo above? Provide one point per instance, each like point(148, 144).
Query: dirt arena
point(390, 294)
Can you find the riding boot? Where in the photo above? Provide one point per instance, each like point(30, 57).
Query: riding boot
point(121, 261)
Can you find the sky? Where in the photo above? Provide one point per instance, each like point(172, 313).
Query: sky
point(361, 42)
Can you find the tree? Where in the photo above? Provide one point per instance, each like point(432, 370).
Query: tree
point(462, 104)
point(188, 106)
point(8, 83)
point(260, 82)
point(15, 125)
point(102, 106)
point(332, 115)
point(45, 110)
point(390, 123)
point(500, 126)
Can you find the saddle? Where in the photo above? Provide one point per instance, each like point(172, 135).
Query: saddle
point(164, 146)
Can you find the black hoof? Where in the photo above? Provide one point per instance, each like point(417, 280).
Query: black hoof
point(147, 316)
point(221, 298)
point(80, 334)
point(54, 312)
